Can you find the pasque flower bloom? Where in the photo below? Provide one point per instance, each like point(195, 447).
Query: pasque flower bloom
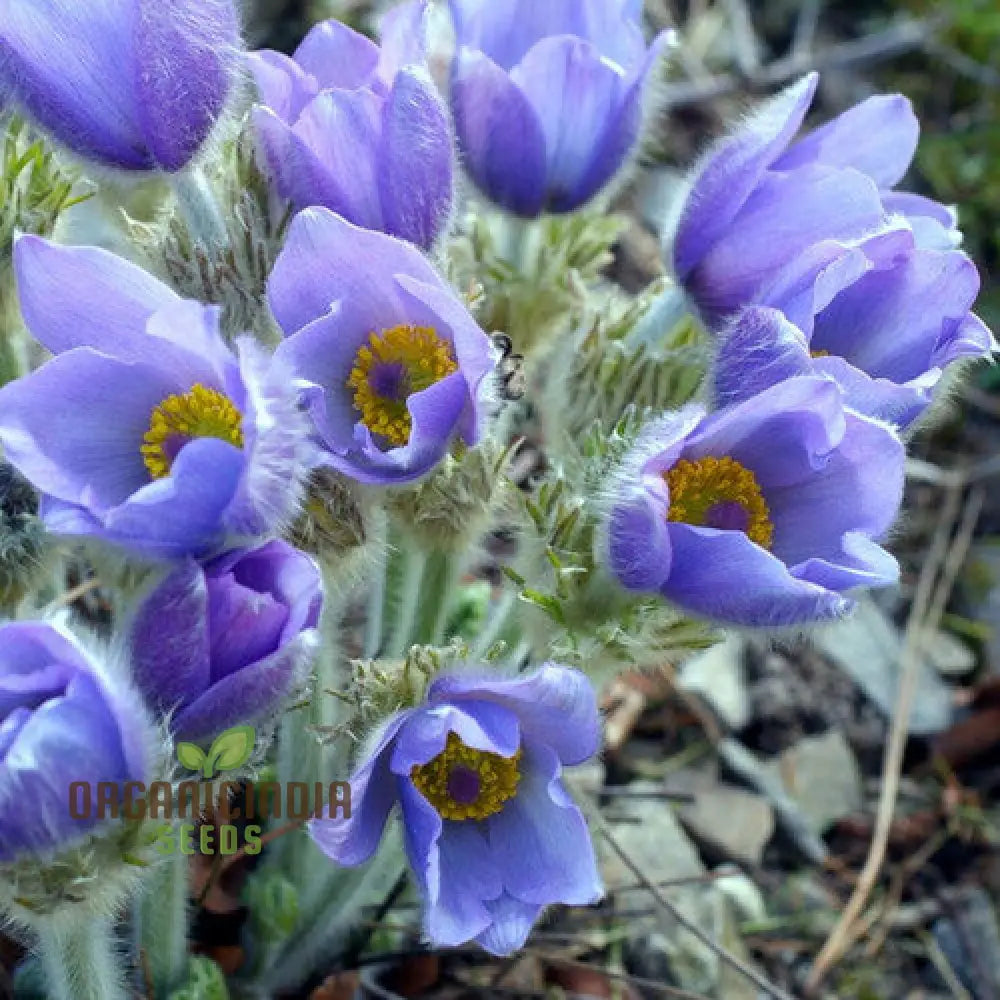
point(63, 718)
point(762, 514)
point(391, 363)
point(145, 429)
point(216, 645)
point(490, 831)
point(886, 339)
point(547, 97)
point(359, 131)
point(768, 221)
point(130, 84)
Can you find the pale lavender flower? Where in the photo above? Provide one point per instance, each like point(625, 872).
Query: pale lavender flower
point(764, 513)
point(547, 97)
point(490, 831)
point(131, 84)
point(357, 130)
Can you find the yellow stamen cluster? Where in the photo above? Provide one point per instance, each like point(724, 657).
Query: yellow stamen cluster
point(497, 778)
point(698, 486)
point(820, 354)
point(422, 359)
point(201, 412)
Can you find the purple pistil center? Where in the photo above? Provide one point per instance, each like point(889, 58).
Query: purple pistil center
point(390, 380)
point(727, 515)
point(463, 785)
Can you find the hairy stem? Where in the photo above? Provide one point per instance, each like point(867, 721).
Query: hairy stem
point(200, 209)
point(80, 956)
point(163, 922)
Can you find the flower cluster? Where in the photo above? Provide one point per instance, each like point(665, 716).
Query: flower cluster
point(184, 458)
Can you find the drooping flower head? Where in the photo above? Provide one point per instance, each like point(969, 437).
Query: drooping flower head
point(489, 829)
point(145, 429)
point(221, 644)
point(357, 130)
point(135, 85)
point(392, 364)
point(767, 218)
point(762, 514)
point(886, 340)
point(63, 719)
point(547, 97)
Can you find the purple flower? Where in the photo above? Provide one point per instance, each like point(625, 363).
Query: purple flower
point(224, 644)
point(391, 363)
point(547, 97)
point(490, 831)
point(359, 131)
point(762, 514)
point(885, 340)
point(766, 221)
point(145, 429)
point(63, 719)
point(130, 84)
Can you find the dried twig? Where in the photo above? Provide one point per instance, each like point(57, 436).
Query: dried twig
point(846, 930)
point(672, 911)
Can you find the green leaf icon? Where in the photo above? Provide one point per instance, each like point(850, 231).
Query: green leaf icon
point(191, 756)
point(230, 750)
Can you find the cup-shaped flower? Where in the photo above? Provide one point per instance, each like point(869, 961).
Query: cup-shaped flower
point(489, 829)
point(65, 717)
point(222, 644)
point(886, 340)
point(547, 97)
point(768, 220)
point(135, 85)
point(391, 364)
point(357, 130)
point(761, 514)
point(145, 429)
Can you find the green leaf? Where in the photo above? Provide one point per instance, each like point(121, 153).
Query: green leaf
point(231, 749)
point(191, 756)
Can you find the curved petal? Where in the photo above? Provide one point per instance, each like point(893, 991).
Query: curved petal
point(896, 404)
point(890, 321)
point(878, 137)
point(784, 436)
point(759, 350)
point(183, 513)
point(415, 160)
point(555, 706)
point(326, 259)
point(481, 724)
point(72, 67)
point(86, 449)
point(861, 562)
point(539, 840)
point(500, 136)
point(283, 87)
point(784, 217)
point(85, 297)
point(576, 96)
point(252, 693)
point(168, 639)
point(811, 518)
point(506, 32)
point(187, 53)
point(638, 544)
point(724, 577)
point(454, 868)
point(342, 130)
point(337, 56)
point(972, 338)
point(511, 921)
point(729, 173)
point(352, 840)
point(402, 34)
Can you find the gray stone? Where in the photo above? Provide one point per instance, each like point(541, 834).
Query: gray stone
point(822, 777)
point(868, 646)
point(719, 676)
